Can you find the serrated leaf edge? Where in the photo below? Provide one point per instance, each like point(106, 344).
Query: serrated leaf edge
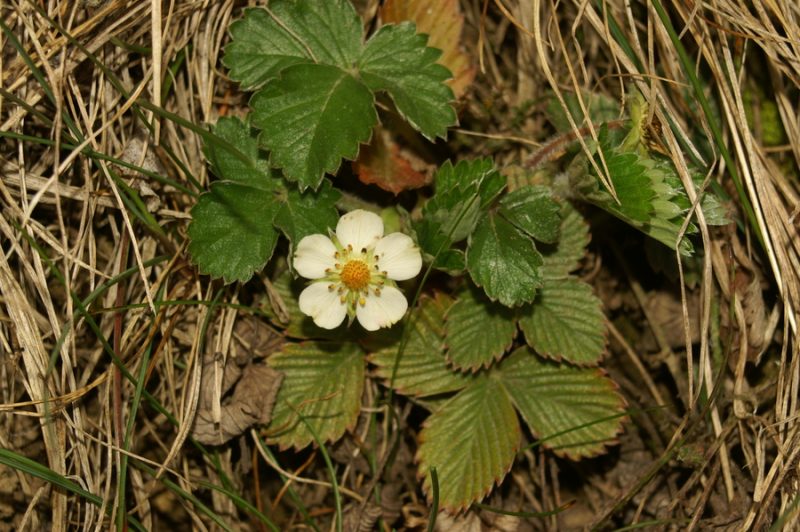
point(612, 441)
point(420, 475)
point(560, 358)
point(473, 370)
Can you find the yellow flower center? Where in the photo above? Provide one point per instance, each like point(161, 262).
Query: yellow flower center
point(355, 275)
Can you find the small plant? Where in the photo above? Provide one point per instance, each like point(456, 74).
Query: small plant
point(510, 246)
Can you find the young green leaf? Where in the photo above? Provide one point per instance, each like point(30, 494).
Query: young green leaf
point(471, 441)
point(434, 243)
point(566, 322)
point(533, 210)
point(323, 383)
point(574, 411)
point(307, 213)
point(504, 261)
point(632, 185)
point(565, 256)
point(231, 234)
point(265, 41)
point(311, 117)
point(397, 60)
point(478, 331)
point(463, 192)
point(422, 370)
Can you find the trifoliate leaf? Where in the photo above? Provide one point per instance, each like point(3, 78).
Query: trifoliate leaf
point(478, 331)
point(533, 210)
point(504, 261)
point(248, 166)
point(396, 60)
point(422, 370)
point(471, 441)
point(307, 213)
point(265, 41)
point(565, 256)
point(443, 22)
point(566, 322)
point(574, 411)
point(231, 234)
point(311, 117)
point(323, 383)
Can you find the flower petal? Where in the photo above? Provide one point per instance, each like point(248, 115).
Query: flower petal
point(313, 255)
point(398, 256)
point(323, 305)
point(360, 229)
point(382, 311)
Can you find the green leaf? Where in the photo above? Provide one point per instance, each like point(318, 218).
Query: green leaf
point(471, 441)
point(311, 117)
point(265, 41)
point(463, 191)
point(323, 383)
point(433, 241)
point(422, 370)
point(632, 185)
point(308, 213)
point(231, 234)
point(455, 206)
point(533, 210)
point(397, 60)
point(503, 261)
point(478, 331)
point(574, 411)
point(253, 170)
point(566, 322)
point(565, 256)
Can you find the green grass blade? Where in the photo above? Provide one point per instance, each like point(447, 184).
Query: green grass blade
point(26, 465)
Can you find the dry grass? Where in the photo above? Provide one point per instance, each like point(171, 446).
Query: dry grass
point(98, 293)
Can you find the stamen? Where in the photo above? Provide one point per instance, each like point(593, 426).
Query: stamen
point(378, 292)
point(331, 287)
point(355, 275)
point(362, 301)
point(350, 248)
point(343, 300)
point(335, 254)
point(364, 250)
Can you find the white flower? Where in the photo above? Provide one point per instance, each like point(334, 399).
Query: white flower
point(354, 273)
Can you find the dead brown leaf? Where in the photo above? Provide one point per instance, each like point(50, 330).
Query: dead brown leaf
point(384, 163)
point(251, 403)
